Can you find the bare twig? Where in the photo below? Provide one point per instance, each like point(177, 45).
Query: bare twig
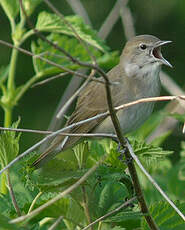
point(34, 201)
point(153, 181)
point(73, 97)
point(12, 195)
point(59, 196)
point(49, 79)
point(110, 21)
point(56, 223)
point(124, 205)
point(78, 8)
point(54, 9)
point(48, 61)
point(127, 19)
point(86, 206)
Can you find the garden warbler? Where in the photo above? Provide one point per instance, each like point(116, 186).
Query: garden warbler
point(136, 75)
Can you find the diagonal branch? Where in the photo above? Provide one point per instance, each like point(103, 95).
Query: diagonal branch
point(124, 205)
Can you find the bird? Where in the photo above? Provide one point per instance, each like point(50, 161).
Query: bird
point(136, 77)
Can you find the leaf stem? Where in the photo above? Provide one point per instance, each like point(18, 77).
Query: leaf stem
point(7, 116)
point(3, 188)
point(11, 77)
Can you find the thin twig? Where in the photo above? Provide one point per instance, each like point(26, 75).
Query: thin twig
point(153, 181)
point(78, 8)
point(127, 19)
point(124, 205)
point(12, 195)
point(34, 201)
point(49, 79)
point(59, 196)
point(85, 205)
point(48, 61)
point(110, 21)
point(54, 9)
point(72, 98)
point(56, 223)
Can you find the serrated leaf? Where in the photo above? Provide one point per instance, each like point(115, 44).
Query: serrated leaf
point(165, 216)
point(73, 47)
point(148, 150)
point(9, 145)
point(52, 23)
point(111, 196)
point(11, 8)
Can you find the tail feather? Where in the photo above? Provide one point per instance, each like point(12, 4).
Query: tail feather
point(50, 152)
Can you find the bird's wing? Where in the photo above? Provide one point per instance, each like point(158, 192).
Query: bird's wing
point(91, 102)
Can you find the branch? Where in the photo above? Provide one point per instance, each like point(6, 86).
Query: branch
point(78, 9)
point(48, 61)
point(124, 205)
point(56, 223)
point(12, 195)
point(110, 21)
point(73, 97)
point(153, 181)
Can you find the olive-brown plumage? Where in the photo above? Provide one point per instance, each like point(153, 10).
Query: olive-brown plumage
point(136, 76)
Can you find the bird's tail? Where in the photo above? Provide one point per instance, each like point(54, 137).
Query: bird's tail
point(50, 152)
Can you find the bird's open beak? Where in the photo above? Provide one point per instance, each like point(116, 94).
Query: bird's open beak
point(156, 52)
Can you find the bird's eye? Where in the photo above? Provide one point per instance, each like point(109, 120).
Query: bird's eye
point(143, 46)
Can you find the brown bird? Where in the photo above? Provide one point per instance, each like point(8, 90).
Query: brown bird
point(137, 76)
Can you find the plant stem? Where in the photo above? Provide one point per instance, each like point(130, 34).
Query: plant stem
point(85, 205)
point(11, 77)
point(3, 188)
point(12, 194)
point(7, 117)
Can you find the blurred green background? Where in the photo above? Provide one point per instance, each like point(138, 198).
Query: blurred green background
point(164, 19)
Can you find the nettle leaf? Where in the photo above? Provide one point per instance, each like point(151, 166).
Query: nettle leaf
point(72, 46)
point(61, 171)
point(148, 150)
point(165, 216)
point(9, 145)
point(52, 23)
point(11, 8)
point(71, 210)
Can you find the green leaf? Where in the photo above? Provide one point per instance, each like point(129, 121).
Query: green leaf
point(5, 224)
point(148, 150)
point(11, 8)
point(9, 145)
point(52, 23)
point(30, 5)
point(73, 47)
point(165, 216)
point(3, 74)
